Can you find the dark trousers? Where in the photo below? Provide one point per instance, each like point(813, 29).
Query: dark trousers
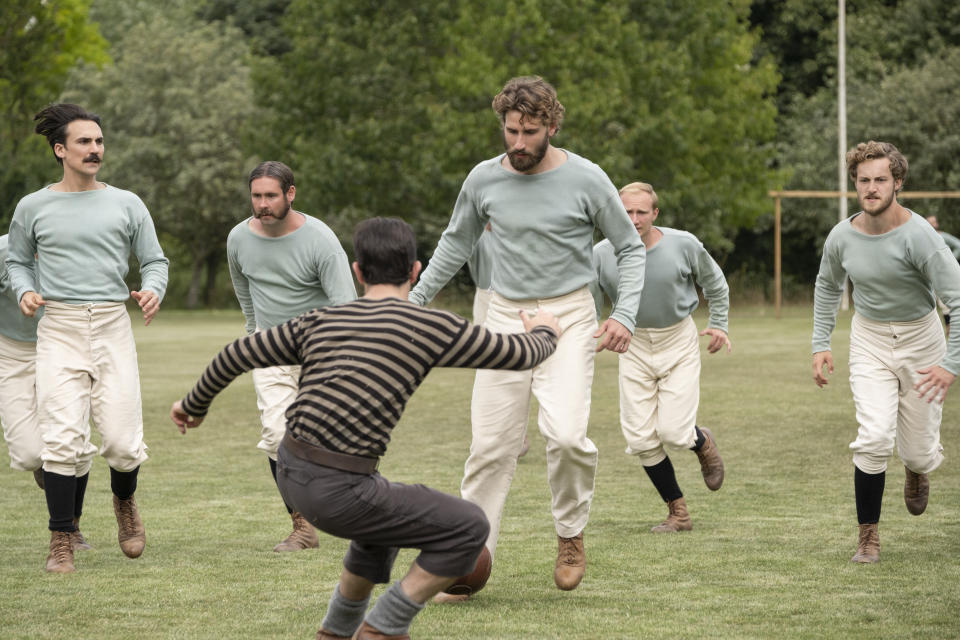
point(380, 517)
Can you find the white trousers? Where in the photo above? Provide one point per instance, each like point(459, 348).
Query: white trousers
point(18, 403)
point(481, 302)
point(501, 401)
point(660, 391)
point(276, 390)
point(884, 359)
point(87, 366)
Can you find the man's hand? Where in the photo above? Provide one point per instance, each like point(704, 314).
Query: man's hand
point(616, 337)
point(542, 318)
point(718, 338)
point(30, 302)
point(821, 358)
point(935, 382)
point(182, 419)
point(149, 302)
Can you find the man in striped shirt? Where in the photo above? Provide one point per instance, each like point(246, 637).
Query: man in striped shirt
point(361, 362)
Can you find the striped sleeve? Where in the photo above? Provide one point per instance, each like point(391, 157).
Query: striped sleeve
point(276, 346)
point(480, 348)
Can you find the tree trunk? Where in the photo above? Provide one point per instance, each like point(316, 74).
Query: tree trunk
point(193, 294)
point(213, 266)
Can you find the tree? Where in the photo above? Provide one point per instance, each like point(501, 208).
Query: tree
point(176, 106)
point(40, 40)
point(396, 110)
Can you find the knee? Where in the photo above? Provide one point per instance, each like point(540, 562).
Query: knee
point(476, 525)
point(871, 462)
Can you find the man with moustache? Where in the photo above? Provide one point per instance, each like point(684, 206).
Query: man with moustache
point(283, 263)
point(660, 372)
point(900, 366)
point(544, 203)
point(69, 251)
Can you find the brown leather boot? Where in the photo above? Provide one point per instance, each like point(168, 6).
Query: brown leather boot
point(366, 632)
point(60, 559)
point(323, 634)
point(916, 491)
point(76, 538)
point(678, 518)
point(868, 547)
point(302, 537)
point(130, 532)
point(711, 465)
point(571, 562)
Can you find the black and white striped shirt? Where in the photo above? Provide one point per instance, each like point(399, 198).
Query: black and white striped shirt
point(361, 362)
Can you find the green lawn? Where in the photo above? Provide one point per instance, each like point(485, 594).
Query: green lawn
point(768, 556)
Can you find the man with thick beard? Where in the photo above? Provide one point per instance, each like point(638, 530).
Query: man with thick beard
point(283, 263)
point(544, 203)
point(900, 367)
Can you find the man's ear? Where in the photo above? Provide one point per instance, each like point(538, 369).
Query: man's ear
point(60, 150)
point(357, 272)
point(291, 194)
point(415, 271)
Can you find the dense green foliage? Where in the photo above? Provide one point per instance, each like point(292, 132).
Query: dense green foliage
point(383, 107)
point(40, 41)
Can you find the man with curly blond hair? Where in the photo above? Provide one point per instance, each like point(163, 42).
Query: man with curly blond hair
point(900, 365)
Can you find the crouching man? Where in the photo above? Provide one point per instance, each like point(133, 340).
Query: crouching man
point(361, 362)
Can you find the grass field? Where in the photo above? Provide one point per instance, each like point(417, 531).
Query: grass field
point(768, 556)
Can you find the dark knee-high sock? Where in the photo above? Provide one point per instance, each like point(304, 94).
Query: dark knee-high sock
point(700, 439)
point(273, 470)
point(665, 480)
point(868, 488)
point(61, 492)
point(79, 495)
point(123, 483)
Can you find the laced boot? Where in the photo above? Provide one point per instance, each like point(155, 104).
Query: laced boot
point(323, 634)
point(916, 491)
point(678, 518)
point(868, 546)
point(130, 531)
point(76, 538)
point(60, 559)
point(571, 562)
point(302, 537)
point(711, 465)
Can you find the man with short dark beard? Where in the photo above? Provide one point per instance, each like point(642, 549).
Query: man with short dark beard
point(283, 263)
point(900, 368)
point(544, 204)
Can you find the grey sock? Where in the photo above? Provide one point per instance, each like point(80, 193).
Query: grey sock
point(393, 612)
point(344, 616)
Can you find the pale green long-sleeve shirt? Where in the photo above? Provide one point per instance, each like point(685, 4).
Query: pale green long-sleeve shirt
point(896, 277)
point(276, 279)
point(543, 233)
point(674, 265)
point(83, 241)
point(13, 324)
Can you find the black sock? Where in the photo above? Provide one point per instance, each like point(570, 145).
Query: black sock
point(61, 492)
point(80, 493)
point(700, 439)
point(868, 488)
point(273, 470)
point(665, 480)
point(123, 483)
